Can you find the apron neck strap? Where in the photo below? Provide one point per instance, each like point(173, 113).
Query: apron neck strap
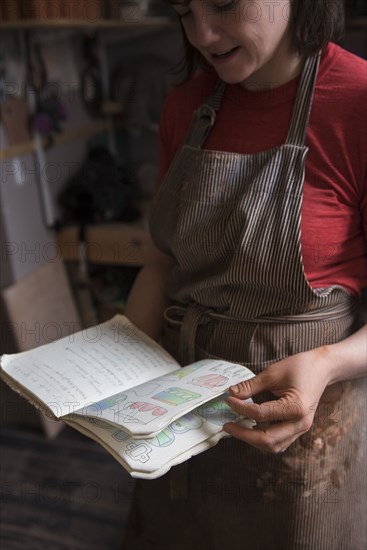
point(302, 107)
point(204, 117)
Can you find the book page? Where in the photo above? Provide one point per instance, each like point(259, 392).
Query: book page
point(193, 433)
point(89, 365)
point(145, 410)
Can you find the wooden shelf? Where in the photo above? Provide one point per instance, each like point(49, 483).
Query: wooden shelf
point(109, 244)
point(136, 23)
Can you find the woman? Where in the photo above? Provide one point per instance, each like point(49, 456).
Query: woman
point(260, 224)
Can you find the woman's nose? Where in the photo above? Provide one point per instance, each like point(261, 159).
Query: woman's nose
point(205, 31)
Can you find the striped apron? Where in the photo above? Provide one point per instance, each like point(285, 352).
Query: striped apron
point(232, 223)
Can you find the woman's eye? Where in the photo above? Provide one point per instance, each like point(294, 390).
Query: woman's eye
point(226, 6)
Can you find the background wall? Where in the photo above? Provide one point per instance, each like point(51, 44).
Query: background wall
point(28, 212)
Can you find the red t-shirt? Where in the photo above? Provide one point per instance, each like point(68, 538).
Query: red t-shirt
point(334, 208)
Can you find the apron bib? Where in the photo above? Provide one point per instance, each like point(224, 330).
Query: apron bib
point(232, 223)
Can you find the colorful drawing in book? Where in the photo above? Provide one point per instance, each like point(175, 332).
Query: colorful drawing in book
point(175, 396)
point(210, 381)
point(217, 412)
point(182, 373)
point(163, 439)
point(145, 389)
point(230, 370)
point(110, 402)
point(140, 412)
point(186, 423)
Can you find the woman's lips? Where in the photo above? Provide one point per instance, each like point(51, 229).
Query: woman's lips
point(223, 56)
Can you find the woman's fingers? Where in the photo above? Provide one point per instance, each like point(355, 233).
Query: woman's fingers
point(275, 438)
point(278, 410)
point(280, 423)
point(297, 386)
point(249, 387)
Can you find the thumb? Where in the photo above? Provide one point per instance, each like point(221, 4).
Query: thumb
point(248, 388)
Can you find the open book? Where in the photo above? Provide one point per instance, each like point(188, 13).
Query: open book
point(119, 387)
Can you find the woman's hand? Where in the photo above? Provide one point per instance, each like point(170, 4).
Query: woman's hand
point(298, 382)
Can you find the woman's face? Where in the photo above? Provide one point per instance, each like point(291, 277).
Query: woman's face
point(246, 41)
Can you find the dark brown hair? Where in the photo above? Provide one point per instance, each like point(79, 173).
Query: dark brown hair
point(314, 23)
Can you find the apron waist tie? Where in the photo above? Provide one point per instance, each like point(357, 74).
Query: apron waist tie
point(189, 318)
point(193, 316)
